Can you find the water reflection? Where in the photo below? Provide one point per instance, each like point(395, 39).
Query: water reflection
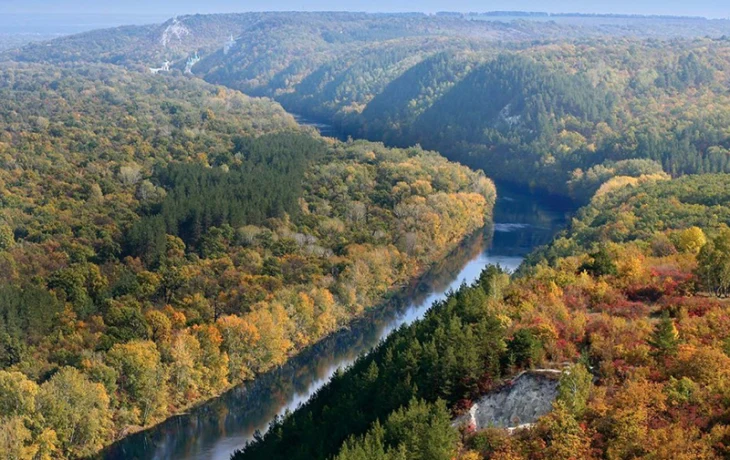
point(217, 428)
point(325, 129)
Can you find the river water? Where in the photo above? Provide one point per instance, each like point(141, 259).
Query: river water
point(217, 428)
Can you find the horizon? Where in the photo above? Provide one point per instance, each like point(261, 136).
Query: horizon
point(25, 21)
point(487, 12)
point(710, 9)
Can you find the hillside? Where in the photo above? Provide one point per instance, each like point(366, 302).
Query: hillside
point(564, 117)
point(557, 104)
point(163, 239)
point(628, 298)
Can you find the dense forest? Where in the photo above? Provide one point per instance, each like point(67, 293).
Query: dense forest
point(554, 105)
point(565, 117)
point(164, 236)
point(162, 239)
point(633, 293)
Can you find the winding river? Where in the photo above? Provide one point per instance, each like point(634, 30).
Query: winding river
point(217, 428)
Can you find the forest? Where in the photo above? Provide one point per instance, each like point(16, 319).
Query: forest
point(557, 106)
point(637, 301)
point(563, 117)
point(162, 240)
point(168, 235)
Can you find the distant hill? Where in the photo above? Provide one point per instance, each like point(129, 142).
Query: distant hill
point(550, 101)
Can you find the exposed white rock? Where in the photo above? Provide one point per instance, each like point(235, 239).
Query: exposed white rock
point(192, 60)
point(165, 68)
point(517, 404)
point(504, 114)
point(176, 30)
point(229, 45)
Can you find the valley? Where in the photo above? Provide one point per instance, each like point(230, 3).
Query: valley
point(219, 427)
point(329, 235)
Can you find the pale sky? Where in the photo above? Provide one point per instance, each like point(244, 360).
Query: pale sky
point(166, 8)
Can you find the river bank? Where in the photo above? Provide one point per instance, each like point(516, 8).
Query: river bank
point(216, 428)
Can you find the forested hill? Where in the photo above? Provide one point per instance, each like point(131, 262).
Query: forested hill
point(163, 239)
point(564, 116)
point(628, 295)
point(555, 105)
point(258, 35)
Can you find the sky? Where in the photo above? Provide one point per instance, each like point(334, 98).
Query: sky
point(167, 8)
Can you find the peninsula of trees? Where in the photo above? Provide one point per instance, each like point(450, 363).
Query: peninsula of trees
point(162, 239)
point(166, 236)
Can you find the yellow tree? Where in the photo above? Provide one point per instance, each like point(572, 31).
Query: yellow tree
point(141, 378)
point(239, 338)
point(691, 240)
point(214, 362)
point(185, 368)
point(77, 410)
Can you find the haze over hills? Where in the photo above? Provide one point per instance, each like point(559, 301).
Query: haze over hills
point(434, 80)
point(168, 231)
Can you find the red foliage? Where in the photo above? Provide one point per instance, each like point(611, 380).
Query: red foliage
point(674, 281)
point(462, 406)
point(694, 306)
point(624, 308)
point(485, 383)
point(575, 298)
point(690, 415)
point(565, 348)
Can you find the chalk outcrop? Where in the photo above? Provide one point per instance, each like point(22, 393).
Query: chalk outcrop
point(518, 403)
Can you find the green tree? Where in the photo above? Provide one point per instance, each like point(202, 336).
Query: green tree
point(665, 338)
point(524, 349)
point(574, 388)
point(126, 322)
point(421, 431)
point(7, 238)
point(601, 263)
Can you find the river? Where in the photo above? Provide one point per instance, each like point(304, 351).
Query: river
point(215, 429)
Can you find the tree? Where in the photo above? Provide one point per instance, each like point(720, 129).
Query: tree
point(691, 240)
point(215, 363)
point(125, 322)
point(665, 338)
point(565, 438)
point(16, 440)
point(524, 349)
point(11, 350)
point(130, 174)
point(239, 338)
point(141, 377)
point(77, 410)
point(601, 263)
point(7, 238)
point(713, 264)
point(421, 431)
point(185, 369)
point(574, 388)
point(17, 394)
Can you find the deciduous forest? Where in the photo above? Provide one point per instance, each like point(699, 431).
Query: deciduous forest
point(636, 301)
point(163, 240)
point(168, 231)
